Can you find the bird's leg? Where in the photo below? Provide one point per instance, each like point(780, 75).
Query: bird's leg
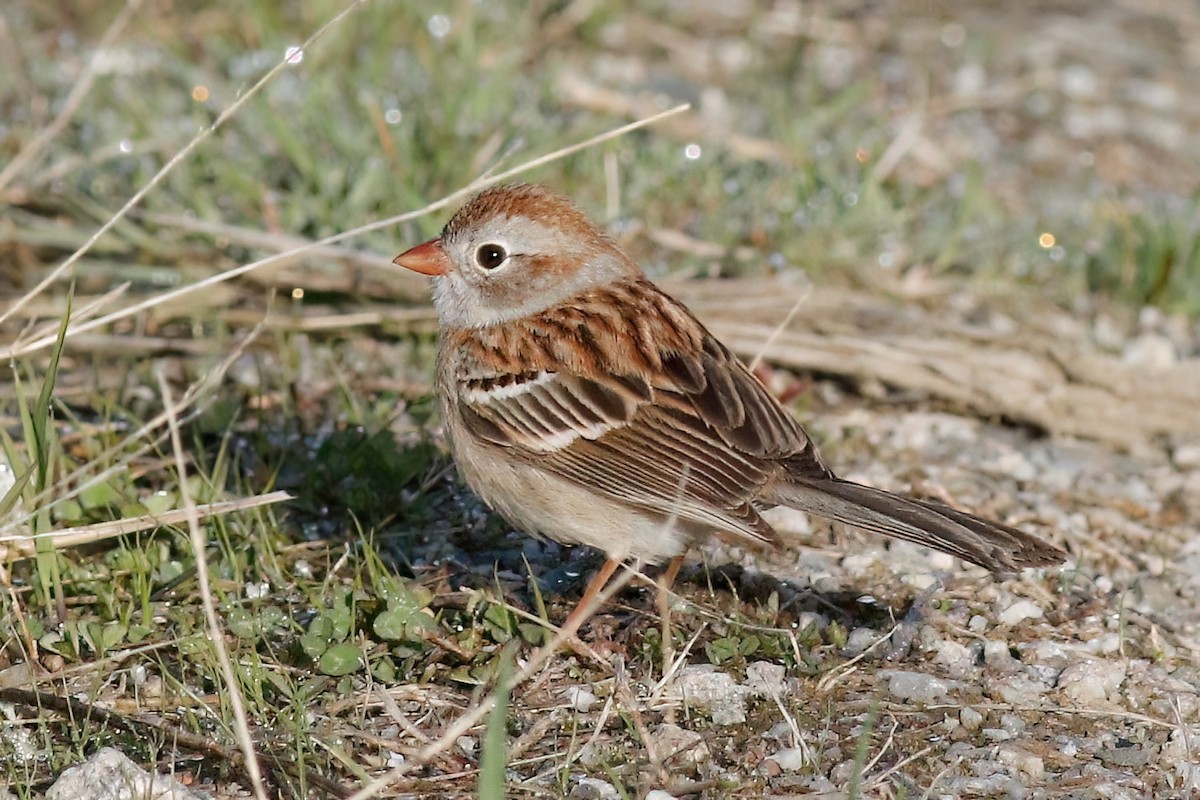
point(665, 581)
point(594, 587)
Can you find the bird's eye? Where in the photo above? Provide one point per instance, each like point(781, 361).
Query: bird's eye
point(490, 256)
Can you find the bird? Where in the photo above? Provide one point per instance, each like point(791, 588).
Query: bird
point(585, 404)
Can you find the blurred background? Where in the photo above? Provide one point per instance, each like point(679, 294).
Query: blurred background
point(1052, 145)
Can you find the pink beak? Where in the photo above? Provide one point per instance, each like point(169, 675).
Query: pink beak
point(428, 258)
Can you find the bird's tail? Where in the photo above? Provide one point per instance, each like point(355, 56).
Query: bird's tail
point(997, 547)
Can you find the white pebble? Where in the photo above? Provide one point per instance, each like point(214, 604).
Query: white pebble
point(790, 759)
point(1022, 760)
point(859, 640)
point(1105, 644)
point(765, 679)
point(579, 698)
point(970, 718)
point(916, 686)
point(997, 656)
point(1187, 456)
point(596, 788)
point(1020, 611)
point(1152, 351)
point(1091, 681)
point(956, 657)
point(715, 692)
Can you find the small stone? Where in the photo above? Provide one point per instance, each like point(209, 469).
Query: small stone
point(1012, 723)
point(580, 698)
point(1011, 464)
point(1105, 644)
point(1020, 611)
point(971, 719)
point(1152, 351)
point(1187, 456)
point(765, 679)
point(1128, 757)
point(859, 640)
point(152, 688)
point(1018, 690)
point(977, 624)
point(996, 656)
point(957, 658)
point(790, 759)
point(781, 731)
point(811, 619)
point(1090, 682)
point(593, 789)
point(466, 744)
point(110, 774)
point(1078, 81)
point(916, 686)
point(659, 794)
point(1022, 760)
point(715, 692)
point(680, 744)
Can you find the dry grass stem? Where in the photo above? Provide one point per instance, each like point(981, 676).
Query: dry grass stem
point(19, 546)
point(241, 722)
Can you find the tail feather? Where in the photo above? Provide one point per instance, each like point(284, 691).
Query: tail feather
point(993, 545)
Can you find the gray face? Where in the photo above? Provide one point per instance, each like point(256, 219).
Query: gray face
point(507, 267)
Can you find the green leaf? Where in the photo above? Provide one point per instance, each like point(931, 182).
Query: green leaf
point(138, 633)
point(241, 623)
point(533, 633)
point(384, 670)
point(500, 623)
point(392, 625)
point(341, 659)
point(100, 495)
point(160, 502)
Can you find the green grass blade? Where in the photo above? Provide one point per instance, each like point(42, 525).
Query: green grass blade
point(493, 761)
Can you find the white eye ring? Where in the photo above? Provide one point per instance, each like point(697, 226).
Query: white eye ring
point(490, 256)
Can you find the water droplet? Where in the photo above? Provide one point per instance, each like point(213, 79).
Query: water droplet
point(887, 259)
point(691, 151)
point(125, 146)
point(439, 26)
point(1057, 253)
point(293, 55)
point(850, 198)
point(392, 116)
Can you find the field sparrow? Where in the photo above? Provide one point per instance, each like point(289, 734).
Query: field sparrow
point(585, 404)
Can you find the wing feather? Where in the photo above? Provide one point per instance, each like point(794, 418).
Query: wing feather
point(647, 408)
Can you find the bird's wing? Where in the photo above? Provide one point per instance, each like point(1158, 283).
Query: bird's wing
point(646, 407)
